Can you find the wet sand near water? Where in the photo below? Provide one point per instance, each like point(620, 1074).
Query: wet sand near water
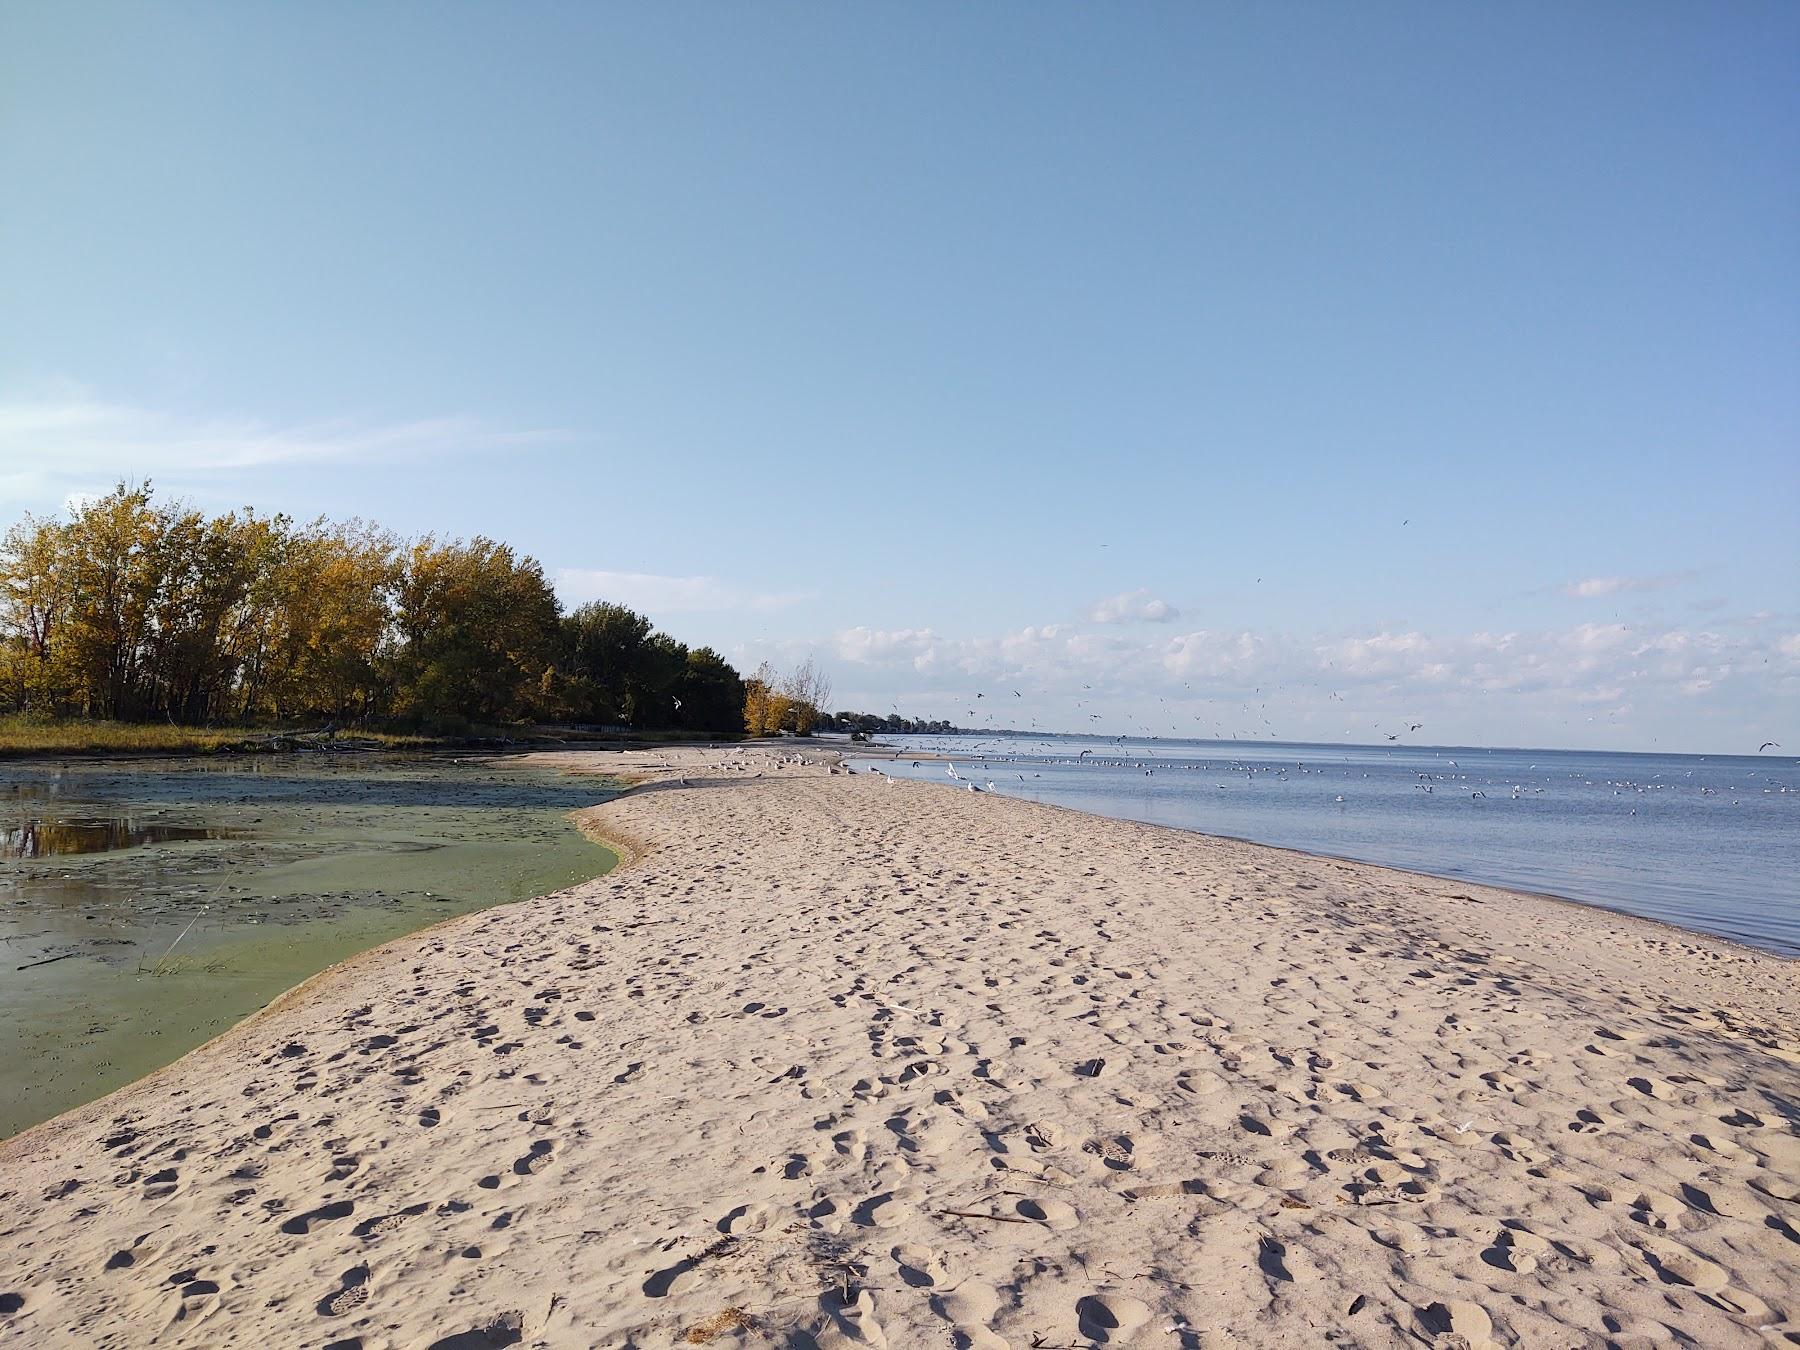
point(834, 1062)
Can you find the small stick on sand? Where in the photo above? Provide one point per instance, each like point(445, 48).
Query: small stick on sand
point(47, 961)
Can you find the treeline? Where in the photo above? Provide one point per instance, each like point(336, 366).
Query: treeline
point(132, 609)
point(892, 723)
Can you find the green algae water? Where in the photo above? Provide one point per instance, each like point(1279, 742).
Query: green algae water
point(148, 905)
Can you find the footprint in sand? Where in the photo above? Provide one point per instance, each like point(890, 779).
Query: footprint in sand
point(535, 1161)
point(301, 1223)
point(387, 1223)
point(1114, 1151)
point(848, 1324)
point(1049, 1211)
point(886, 1211)
point(1111, 1317)
point(852, 1144)
point(1776, 1186)
point(920, 1266)
point(1458, 1323)
point(1200, 1082)
point(352, 1293)
point(746, 1219)
point(506, 1329)
point(970, 1307)
point(1675, 1264)
point(1516, 1250)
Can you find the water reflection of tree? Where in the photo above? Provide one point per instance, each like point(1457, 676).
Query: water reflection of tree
point(49, 838)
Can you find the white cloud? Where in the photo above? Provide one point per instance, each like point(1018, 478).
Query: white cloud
point(66, 436)
point(1218, 656)
point(658, 595)
point(1546, 686)
point(1594, 588)
point(1137, 606)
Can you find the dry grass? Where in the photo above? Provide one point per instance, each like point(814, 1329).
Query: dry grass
point(29, 736)
point(732, 1319)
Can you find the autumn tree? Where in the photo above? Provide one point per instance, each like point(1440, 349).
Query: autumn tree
point(34, 603)
point(807, 691)
point(764, 705)
point(133, 609)
point(477, 627)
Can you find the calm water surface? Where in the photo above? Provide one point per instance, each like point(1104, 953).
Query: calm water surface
point(1711, 843)
point(146, 906)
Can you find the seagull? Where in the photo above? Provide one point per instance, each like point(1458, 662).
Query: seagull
point(1768, 745)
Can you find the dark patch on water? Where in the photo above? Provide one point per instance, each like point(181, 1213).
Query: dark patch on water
point(39, 838)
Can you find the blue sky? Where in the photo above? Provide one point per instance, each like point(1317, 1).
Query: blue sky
point(1221, 358)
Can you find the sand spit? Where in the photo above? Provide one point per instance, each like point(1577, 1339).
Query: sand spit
point(835, 1062)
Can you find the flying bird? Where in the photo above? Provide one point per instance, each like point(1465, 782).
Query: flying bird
point(1768, 745)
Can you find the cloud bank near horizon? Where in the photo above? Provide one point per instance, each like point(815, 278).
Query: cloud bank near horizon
point(1583, 682)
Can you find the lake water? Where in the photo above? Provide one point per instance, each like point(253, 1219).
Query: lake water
point(147, 905)
point(1710, 843)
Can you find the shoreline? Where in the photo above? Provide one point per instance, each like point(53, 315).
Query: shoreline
point(678, 1137)
point(329, 861)
point(1609, 907)
point(1676, 930)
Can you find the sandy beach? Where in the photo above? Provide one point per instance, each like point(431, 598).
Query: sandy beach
point(832, 1061)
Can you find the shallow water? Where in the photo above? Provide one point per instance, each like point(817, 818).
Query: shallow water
point(175, 897)
point(1710, 843)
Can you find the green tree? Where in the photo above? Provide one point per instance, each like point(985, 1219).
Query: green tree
point(477, 629)
point(712, 694)
point(602, 646)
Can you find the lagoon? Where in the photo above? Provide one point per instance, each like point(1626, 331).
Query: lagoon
point(147, 905)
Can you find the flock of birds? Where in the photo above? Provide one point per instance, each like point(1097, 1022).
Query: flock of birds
point(1259, 714)
point(985, 759)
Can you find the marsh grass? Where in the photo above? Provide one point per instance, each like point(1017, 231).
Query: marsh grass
point(21, 736)
point(27, 736)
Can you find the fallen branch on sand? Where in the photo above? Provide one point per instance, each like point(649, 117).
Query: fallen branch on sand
point(47, 961)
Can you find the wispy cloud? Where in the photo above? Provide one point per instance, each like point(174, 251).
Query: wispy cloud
point(1594, 588)
point(1137, 606)
point(68, 435)
point(658, 595)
